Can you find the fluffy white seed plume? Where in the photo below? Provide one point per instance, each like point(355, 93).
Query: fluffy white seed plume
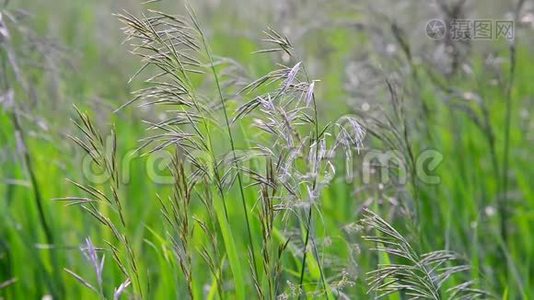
point(351, 133)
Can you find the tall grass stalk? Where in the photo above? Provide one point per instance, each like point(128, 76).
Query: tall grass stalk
point(289, 116)
point(168, 43)
point(230, 137)
point(282, 188)
point(101, 200)
point(416, 275)
point(310, 211)
point(503, 206)
point(10, 63)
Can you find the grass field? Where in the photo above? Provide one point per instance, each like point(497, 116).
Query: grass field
point(266, 150)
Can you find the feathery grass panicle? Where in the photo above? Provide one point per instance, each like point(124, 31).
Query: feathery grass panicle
point(418, 276)
point(99, 198)
point(174, 47)
point(176, 211)
point(97, 263)
point(90, 252)
point(280, 42)
point(230, 136)
point(287, 114)
point(249, 202)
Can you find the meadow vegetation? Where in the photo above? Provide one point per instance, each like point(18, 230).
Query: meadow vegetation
point(280, 150)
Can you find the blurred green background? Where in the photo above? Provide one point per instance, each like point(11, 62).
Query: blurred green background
point(455, 98)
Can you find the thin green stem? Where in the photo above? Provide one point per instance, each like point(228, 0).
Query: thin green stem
point(232, 145)
point(507, 125)
point(310, 212)
point(49, 236)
